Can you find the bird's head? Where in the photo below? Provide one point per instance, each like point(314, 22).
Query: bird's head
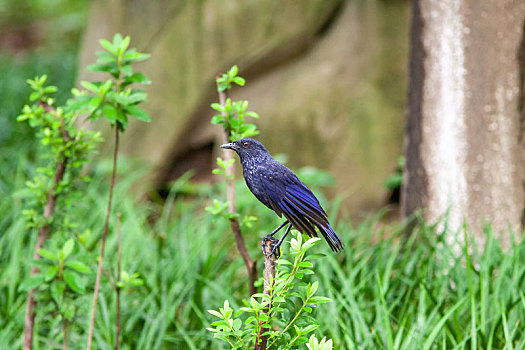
point(246, 148)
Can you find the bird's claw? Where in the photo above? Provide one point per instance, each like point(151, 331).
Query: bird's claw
point(273, 244)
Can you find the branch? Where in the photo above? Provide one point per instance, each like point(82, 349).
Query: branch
point(43, 233)
point(119, 259)
point(251, 265)
point(106, 226)
point(269, 277)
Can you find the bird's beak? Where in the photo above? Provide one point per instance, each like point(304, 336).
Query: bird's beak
point(230, 145)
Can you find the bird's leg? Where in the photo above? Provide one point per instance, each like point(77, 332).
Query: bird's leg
point(270, 236)
point(276, 246)
point(278, 228)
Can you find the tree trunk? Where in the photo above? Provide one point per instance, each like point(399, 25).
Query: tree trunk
point(464, 145)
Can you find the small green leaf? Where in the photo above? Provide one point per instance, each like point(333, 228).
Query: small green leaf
point(34, 96)
point(50, 89)
point(68, 247)
point(73, 281)
point(237, 323)
point(233, 71)
point(110, 112)
point(137, 78)
point(99, 68)
point(217, 119)
point(78, 266)
point(50, 273)
point(124, 44)
point(108, 46)
point(138, 113)
point(319, 300)
point(239, 81)
point(90, 86)
point(126, 70)
point(132, 55)
point(48, 254)
point(31, 282)
point(215, 313)
point(57, 291)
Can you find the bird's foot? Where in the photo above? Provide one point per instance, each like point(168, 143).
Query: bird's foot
point(274, 244)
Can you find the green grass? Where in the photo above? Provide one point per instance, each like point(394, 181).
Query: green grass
point(390, 290)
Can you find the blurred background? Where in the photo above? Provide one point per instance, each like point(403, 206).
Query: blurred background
point(328, 79)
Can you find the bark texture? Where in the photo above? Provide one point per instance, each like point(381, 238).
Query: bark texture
point(464, 142)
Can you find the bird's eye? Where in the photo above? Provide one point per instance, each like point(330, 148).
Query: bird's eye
point(245, 144)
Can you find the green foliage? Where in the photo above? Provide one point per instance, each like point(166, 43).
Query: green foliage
point(60, 278)
point(62, 142)
point(223, 164)
point(233, 113)
point(57, 186)
point(396, 180)
point(315, 344)
point(290, 302)
point(232, 121)
point(113, 98)
point(384, 285)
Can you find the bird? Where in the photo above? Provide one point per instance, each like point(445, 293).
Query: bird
point(278, 188)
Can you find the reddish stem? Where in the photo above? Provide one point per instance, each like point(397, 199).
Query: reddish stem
point(106, 227)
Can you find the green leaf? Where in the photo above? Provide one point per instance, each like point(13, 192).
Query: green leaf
point(48, 254)
point(237, 323)
point(105, 68)
point(108, 46)
point(126, 70)
point(233, 71)
point(31, 282)
point(239, 81)
point(73, 281)
point(217, 119)
point(90, 86)
point(117, 40)
point(215, 313)
point(137, 96)
point(105, 57)
point(34, 96)
point(68, 309)
point(57, 291)
point(111, 113)
point(137, 78)
point(50, 89)
point(50, 273)
point(68, 247)
point(124, 44)
point(106, 87)
point(319, 300)
point(132, 55)
point(138, 113)
point(78, 266)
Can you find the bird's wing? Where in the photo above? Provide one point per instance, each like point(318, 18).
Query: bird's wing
point(304, 211)
point(302, 201)
point(288, 196)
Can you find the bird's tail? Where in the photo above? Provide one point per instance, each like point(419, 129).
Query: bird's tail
point(331, 237)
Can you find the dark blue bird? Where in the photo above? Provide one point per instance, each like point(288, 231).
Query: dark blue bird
point(280, 189)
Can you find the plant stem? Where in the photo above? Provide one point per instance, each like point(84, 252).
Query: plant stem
point(64, 332)
point(106, 226)
point(251, 265)
point(269, 278)
point(43, 233)
point(119, 259)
